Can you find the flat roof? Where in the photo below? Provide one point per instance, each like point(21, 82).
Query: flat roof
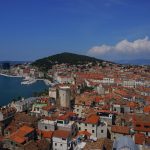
point(64, 87)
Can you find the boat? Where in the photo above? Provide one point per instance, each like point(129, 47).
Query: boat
point(29, 81)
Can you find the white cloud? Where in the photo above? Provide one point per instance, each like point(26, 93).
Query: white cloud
point(123, 47)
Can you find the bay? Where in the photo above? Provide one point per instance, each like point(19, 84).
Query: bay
point(11, 88)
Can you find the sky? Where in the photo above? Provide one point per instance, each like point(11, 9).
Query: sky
point(106, 29)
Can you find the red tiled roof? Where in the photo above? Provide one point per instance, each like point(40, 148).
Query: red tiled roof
point(92, 119)
point(142, 126)
point(147, 109)
point(26, 129)
point(47, 118)
point(132, 104)
point(120, 129)
point(63, 117)
point(47, 134)
point(71, 113)
point(90, 76)
point(47, 108)
point(139, 138)
point(19, 135)
point(61, 134)
point(98, 99)
point(18, 139)
point(66, 116)
point(84, 133)
point(1, 139)
point(106, 107)
point(107, 111)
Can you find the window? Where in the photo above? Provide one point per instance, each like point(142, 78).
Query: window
point(146, 126)
point(79, 128)
point(138, 125)
point(93, 125)
point(45, 127)
point(6, 132)
point(55, 144)
point(60, 144)
point(77, 110)
point(102, 131)
point(63, 139)
point(61, 122)
point(85, 124)
point(92, 131)
point(85, 129)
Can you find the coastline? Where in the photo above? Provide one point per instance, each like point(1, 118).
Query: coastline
point(47, 82)
point(11, 88)
point(11, 76)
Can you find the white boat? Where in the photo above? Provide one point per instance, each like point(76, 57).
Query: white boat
point(27, 78)
point(30, 81)
point(47, 82)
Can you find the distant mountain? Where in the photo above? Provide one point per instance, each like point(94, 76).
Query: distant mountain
point(135, 62)
point(69, 58)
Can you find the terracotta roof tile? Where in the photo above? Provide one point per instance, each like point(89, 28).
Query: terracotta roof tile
point(147, 109)
point(26, 129)
point(18, 139)
point(48, 108)
point(84, 133)
point(142, 126)
point(63, 117)
point(92, 119)
point(120, 129)
point(99, 144)
point(47, 134)
point(132, 104)
point(19, 135)
point(61, 134)
point(139, 138)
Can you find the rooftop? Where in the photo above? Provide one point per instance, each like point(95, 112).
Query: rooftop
point(99, 144)
point(46, 121)
point(61, 134)
point(120, 129)
point(19, 135)
point(64, 87)
point(92, 119)
point(40, 105)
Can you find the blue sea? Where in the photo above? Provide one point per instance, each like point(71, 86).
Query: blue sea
point(11, 88)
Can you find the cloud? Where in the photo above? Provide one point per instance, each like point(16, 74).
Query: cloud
point(123, 47)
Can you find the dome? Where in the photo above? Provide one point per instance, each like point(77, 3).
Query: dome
point(124, 143)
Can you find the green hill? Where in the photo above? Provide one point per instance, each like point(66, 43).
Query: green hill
point(68, 58)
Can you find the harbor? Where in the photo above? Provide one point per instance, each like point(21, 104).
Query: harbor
point(11, 88)
point(11, 76)
point(28, 80)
